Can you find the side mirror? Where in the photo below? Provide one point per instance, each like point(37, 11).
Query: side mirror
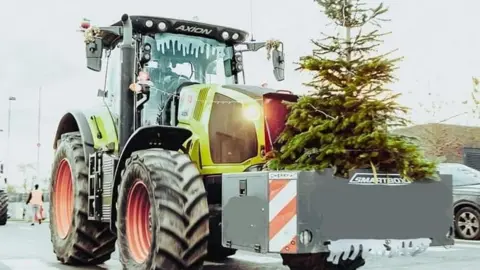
point(278, 60)
point(94, 53)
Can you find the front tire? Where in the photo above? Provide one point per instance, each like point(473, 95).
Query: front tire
point(162, 212)
point(3, 208)
point(75, 239)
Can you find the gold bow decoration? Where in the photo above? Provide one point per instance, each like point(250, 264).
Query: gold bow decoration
point(90, 34)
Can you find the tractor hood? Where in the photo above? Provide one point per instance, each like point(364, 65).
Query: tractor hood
point(250, 90)
point(275, 112)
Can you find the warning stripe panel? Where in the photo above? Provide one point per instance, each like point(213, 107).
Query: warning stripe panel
point(291, 247)
point(283, 216)
point(275, 186)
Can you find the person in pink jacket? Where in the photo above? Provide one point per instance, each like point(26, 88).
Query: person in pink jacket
point(35, 200)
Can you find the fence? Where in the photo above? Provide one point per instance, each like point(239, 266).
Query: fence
point(19, 210)
point(22, 197)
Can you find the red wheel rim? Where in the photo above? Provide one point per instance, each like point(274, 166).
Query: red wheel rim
point(63, 196)
point(139, 235)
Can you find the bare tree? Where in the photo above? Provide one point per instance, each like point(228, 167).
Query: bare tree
point(24, 168)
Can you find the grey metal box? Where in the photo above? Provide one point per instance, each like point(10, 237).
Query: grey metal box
point(245, 216)
point(276, 207)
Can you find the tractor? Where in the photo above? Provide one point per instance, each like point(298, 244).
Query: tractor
point(148, 169)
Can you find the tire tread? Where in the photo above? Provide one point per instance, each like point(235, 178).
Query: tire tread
point(90, 243)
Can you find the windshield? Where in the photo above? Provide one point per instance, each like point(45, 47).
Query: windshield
point(196, 59)
point(179, 59)
point(462, 175)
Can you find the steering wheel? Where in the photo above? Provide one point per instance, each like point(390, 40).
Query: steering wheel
point(175, 82)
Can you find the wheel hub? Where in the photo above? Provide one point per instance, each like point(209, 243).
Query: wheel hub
point(139, 222)
point(468, 223)
point(63, 199)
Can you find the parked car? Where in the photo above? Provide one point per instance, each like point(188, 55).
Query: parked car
point(466, 199)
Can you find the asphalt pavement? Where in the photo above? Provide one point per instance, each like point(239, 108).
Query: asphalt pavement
point(28, 247)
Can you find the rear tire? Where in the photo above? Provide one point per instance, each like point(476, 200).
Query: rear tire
point(75, 239)
point(173, 233)
point(318, 261)
point(3, 208)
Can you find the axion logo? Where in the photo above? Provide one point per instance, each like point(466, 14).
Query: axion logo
point(382, 179)
point(194, 29)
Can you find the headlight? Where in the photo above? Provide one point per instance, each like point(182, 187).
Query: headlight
point(251, 112)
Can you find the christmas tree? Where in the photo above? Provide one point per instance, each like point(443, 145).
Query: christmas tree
point(345, 122)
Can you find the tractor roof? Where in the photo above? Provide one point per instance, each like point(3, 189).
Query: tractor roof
point(177, 26)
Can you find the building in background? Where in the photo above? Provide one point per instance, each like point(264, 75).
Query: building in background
point(445, 142)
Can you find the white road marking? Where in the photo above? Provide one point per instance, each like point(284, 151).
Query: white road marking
point(254, 258)
point(22, 264)
point(462, 245)
point(440, 249)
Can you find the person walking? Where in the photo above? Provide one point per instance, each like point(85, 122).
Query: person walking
point(35, 200)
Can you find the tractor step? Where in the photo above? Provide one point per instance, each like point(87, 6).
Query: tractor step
point(100, 185)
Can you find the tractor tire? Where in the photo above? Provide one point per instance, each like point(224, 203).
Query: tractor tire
point(75, 239)
point(217, 252)
point(3, 208)
point(318, 261)
point(162, 212)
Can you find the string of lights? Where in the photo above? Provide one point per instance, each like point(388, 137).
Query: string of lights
point(168, 94)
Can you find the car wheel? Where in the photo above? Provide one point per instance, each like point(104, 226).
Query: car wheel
point(467, 223)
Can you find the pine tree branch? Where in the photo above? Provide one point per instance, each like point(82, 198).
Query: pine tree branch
point(322, 112)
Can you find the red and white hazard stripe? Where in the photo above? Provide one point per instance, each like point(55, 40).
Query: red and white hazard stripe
point(282, 216)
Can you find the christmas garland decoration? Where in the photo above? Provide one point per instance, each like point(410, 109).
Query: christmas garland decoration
point(271, 45)
point(90, 34)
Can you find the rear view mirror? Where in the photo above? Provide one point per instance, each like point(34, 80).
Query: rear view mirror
point(94, 52)
point(278, 60)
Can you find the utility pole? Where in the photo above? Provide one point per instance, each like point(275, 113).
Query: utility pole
point(38, 131)
point(7, 158)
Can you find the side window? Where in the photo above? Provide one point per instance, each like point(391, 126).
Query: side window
point(233, 138)
point(113, 81)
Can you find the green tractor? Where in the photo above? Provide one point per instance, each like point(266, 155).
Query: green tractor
point(171, 166)
point(145, 169)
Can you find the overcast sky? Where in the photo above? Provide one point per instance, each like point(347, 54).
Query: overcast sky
point(41, 48)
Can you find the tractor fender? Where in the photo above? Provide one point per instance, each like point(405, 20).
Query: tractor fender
point(75, 121)
point(156, 136)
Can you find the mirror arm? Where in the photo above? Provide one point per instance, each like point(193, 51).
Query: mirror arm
point(111, 30)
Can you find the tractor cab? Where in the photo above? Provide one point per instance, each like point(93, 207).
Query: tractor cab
point(189, 75)
point(174, 54)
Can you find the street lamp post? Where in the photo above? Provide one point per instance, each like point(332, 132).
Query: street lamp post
point(7, 158)
point(38, 131)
